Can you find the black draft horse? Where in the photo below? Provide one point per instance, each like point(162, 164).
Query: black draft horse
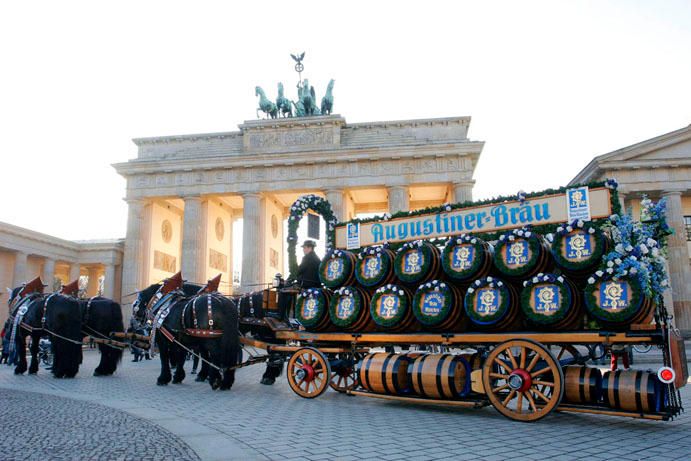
point(55, 315)
point(197, 317)
point(99, 318)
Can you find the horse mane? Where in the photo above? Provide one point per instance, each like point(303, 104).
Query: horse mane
point(191, 289)
point(15, 292)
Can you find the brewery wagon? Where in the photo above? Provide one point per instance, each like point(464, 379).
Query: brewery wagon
point(499, 303)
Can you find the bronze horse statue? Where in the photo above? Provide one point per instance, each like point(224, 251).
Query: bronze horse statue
point(285, 108)
point(265, 105)
point(328, 99)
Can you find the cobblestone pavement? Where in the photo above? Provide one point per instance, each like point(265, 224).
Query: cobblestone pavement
point(40, 427)
point(260, 422)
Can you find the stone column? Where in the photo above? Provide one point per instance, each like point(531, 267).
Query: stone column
point(193, 240)
point(622, 199)
point(336, 197)
point(19, 269)
point(75, 272)
point(48, 275)
point(109, 281)
point(399, 199)
point(462, 192)
point(92, 285)
point(678, 258)
point(253, 259)
point(134, 257)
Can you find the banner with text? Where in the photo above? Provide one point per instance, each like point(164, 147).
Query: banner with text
point(491, 217)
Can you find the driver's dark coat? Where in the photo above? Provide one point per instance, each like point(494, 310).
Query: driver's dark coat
point(308, 271)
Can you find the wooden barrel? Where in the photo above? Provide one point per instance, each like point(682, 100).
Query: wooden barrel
point(375, 267)
point(384, 373)
point(617, 304)
point(439, 306)
point(582, 384)
point(417, 262)
point(633, 390)
point(312, 309)
point(466, 258)
point(578, 250)
point(551, 301)
point(522, 254)
point(391, 309)
point(492, 304)
point(349, 309)
point(440, 376)
point(337, 269)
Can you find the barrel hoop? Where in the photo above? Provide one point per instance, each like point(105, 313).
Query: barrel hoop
point(582, 384)
point(365, 364)
point(438, 378)
point(615, 388)
point(419, 375)
point(639, 399)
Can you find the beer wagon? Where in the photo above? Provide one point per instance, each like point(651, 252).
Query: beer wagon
point(473, 307)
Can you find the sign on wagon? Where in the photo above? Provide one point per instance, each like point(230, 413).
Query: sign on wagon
point(592, 204)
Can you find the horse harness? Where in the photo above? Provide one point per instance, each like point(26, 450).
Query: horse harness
point(197, 332)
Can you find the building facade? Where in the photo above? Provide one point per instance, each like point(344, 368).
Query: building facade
point(657, 168)
point(26, 254)
point(185, 192)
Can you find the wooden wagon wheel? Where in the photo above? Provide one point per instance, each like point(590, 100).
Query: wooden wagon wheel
point(566, 354)
point(523, 380)
point(309, 372)
point(345, 378)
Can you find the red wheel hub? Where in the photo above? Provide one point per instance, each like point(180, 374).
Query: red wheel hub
point(520, 380)
point(307, 373)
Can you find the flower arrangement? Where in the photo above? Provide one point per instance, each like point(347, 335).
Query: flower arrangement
point(414, 272)
point(444, 293)
point(337, 268)
point(345, 318)
point(484, 313)
point(389, 315)
point(311, 315)
point(473, 257)
point(561, 308)
point(297, 211)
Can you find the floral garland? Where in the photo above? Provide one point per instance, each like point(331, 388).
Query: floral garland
point(309, 293)
point(424, 267)
point(433, 286)
point(621, 315)
point(534, 248)
point(558, 240)
point(447, 256)
point(402, 307)
point(502, 308)
point(333, 306)
point(384, 265)
point(297, 211)
point(346, 259)
point(564, 292)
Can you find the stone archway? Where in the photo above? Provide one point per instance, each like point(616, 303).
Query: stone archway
point(297, 211)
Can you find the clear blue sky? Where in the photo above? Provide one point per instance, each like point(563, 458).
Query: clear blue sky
point(549, 84)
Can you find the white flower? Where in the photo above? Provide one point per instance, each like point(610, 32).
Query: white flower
point(617, 261)
point(473, 241)
point(644, 249)
point(560, 229)
point(633, 258)
point(535, 279)
point(650, 242)
point(610, 270)
point(655, 252)
point(633, 270)
point(489, 279)
point(545, 278)
point(443, 285)
point(500, 283)
point(388, 286)
point(629, 248)
point(569, 228)
point(528, 234)
point(599, 273)
point(401, 292)
point(580, 223)
point(561, 279)
point(625, 272)
point(664, 283)
point(502, 238)
point(470, 290)
point(613, 217)
point(436, 289)
point(591, 280)
point(591, 230)
point(525, 283)
point(519, 233)
point(610, 264)
point(512, 238)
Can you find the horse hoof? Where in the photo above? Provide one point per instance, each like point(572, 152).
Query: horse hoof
point(267, 381)
point(200, 379)
point(161, 383)
point(177, 381)
point(98, 373)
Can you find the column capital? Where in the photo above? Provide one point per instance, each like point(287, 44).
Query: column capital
point(672, 192)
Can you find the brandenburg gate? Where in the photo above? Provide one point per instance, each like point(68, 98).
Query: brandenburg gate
point(185, 192)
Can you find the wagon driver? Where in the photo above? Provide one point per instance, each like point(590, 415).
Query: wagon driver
point(308, 271)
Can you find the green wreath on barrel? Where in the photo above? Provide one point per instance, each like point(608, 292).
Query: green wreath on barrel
point(564, 293)
point(623, 315)
point(447, 255)
point(334, 305)
point(297, 211)
point(559, 240)
point(435, 286)
point(316, 301)
point(510, 237)
point(396, 318)
point(399, 261)
point(384, 265)
point(345, 269)
point(502, 308)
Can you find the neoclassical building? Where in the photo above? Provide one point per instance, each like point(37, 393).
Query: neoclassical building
point(658, 167)
point(184, 192)
point(26, 254)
